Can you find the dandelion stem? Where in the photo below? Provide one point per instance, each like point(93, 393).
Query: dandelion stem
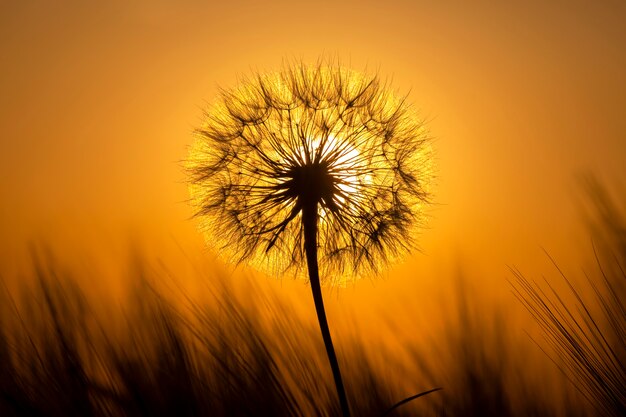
point(309, 220)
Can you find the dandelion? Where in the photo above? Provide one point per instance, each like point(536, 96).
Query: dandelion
point(314, 169)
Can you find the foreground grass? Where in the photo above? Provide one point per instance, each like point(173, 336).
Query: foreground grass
point(58, 357)
point(585, 325)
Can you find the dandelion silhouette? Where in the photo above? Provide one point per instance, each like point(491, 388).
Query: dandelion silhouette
point(312, 165)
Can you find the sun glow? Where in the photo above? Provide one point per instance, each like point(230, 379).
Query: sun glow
point(345, 167)
point(280, 143)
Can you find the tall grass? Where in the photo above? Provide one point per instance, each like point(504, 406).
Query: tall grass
point(487, 365)
point(61, 356)
point(585, 326)
point(57, 358)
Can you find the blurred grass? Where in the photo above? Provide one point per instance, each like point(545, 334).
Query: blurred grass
point(61, 357)
point(218, 359)
point(585, 323)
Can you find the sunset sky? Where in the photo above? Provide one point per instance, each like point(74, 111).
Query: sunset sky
point(99, 100)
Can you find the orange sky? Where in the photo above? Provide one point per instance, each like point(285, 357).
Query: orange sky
point(98, 103)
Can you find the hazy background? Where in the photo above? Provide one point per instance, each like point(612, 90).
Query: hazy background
point(98, 101)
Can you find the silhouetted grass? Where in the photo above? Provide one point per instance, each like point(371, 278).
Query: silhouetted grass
point(587, 334)
point(56, 358)
point(486, 367)
point(61, 357)
point(219, 359)
point(223, 359)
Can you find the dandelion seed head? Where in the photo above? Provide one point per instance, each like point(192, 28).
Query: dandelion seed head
point(317, 135)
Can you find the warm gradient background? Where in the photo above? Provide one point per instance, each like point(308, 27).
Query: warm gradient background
point(98, 101)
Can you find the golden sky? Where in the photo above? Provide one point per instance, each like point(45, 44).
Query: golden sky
point(98, 101)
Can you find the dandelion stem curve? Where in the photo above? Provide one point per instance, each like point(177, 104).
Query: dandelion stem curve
point(309, 221)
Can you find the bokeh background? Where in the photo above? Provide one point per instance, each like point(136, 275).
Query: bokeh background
point(98, 101)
